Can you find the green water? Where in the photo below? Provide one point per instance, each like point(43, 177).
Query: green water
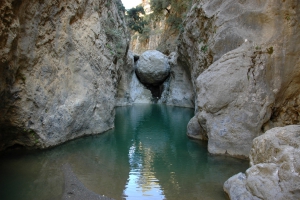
point(146, 156)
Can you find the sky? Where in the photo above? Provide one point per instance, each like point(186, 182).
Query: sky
point(131, 3)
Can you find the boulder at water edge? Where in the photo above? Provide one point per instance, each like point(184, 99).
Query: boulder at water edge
point(275, 167)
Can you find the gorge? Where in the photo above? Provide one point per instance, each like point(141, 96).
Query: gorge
point(66, 65)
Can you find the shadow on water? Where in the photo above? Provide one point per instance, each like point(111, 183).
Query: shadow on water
point(146, 156)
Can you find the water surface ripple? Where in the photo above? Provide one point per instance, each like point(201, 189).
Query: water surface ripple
point(146, 156)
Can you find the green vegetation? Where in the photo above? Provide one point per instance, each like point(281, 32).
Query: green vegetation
point(166, 18)
point(115, 35)
point(270, 50)
point(120, 6)
point(204, 48)
point(145, 35)
point(32, 136)
point(135, 19)
point(158, 6)
point(176, 10)
point(23, 77)
point(287, 17)
point(173, 10)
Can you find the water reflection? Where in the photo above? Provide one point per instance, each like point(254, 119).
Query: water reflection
point(147, 156)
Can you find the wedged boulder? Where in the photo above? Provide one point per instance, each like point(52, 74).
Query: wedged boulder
point(275, 167)
point(176, 90)
point(152, 68)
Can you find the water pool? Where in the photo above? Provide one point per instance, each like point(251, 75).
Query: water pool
point(146, 156)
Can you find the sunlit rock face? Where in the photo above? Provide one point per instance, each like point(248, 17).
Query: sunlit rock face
point(234, 103)
point(275, 167)
point(244, 63)
point(60, 66)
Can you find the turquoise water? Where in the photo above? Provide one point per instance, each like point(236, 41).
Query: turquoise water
point(146, 156)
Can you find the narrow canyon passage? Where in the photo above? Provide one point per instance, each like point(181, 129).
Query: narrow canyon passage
point(231, 67)
point(146, 156)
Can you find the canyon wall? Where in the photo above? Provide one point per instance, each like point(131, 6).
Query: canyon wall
point(159, 37)
point(162, 27)
point(60, 67)
point(245, 66)
point(153, 35)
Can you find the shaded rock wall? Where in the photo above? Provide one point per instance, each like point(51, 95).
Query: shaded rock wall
point(245, 66)
point(60, 66)
point(125, 79)
point(178, 89)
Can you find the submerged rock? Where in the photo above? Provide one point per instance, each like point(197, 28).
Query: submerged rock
point(75, 190)
point(152, 68)
point(275, 167)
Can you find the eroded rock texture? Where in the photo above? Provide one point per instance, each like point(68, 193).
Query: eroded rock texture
point(245, 66)
point(60, 65)
point(178, 88)
point(275, 167)
point(152, 68)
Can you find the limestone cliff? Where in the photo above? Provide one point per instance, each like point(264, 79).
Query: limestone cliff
point(274, 160)
point(60, 66)
point(157, 36)
point(244, 59)
point(154, 33)
point(162, 27)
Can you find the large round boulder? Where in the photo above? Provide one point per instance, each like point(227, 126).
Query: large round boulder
point(152, 67)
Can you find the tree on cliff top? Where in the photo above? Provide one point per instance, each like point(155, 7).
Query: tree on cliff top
point(176, 10)
point(158, 6)
point(135, 19)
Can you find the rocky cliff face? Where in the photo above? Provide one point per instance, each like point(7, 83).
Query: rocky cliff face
point(60, 66)
point(153, 33)
point(159, 37)
point(162, 28)
point(274, 160)
point(245, 66)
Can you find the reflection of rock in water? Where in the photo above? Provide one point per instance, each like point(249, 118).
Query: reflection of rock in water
point(75, 190)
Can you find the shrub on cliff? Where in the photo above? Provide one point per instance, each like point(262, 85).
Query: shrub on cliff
point(135, 19)
point(175, 11)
